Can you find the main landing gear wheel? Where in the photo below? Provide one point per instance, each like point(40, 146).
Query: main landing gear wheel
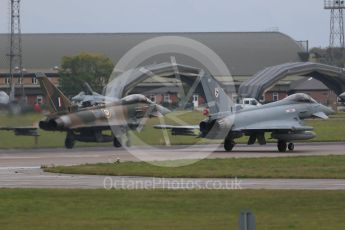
point(229, 145)
point(69, 142)
point(117, 142)
point(282, 146)
point(291, 146)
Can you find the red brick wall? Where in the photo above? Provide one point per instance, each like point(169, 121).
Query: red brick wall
point(325, 97)
point(202, 101)
point(269, 96)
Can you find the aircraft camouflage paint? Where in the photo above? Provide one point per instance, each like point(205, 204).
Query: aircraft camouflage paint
point(87, 124)
point(283, 119)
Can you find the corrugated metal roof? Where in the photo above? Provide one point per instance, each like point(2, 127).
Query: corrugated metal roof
point(245, 53)
point(127, 81)
point(308, 84)
point(333, 77)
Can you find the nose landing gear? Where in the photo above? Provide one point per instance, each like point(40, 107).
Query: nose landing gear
point(70, 140)
point(229, 144)
point(282, 146)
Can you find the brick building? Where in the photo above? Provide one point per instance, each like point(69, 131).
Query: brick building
point(32, 90)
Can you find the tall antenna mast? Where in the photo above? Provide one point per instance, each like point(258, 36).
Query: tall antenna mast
point(337, 35)
point(16, 64)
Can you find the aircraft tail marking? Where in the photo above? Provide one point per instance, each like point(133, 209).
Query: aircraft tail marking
point(57, 102)
point(218, 101)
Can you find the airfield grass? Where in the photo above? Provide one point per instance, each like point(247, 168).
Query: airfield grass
point(323, 167)
point(327, 131)
point(118, 209)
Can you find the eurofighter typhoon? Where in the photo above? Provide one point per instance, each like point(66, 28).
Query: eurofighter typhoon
point(282, 119)
point(87, 124)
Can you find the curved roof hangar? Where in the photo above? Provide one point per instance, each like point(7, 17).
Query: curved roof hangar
point(333, 77)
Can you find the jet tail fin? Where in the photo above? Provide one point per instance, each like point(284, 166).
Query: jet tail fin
point(87, 89)
point(217, 100)
point(57, 102)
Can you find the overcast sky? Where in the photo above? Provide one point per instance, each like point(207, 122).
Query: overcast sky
point(301, 19)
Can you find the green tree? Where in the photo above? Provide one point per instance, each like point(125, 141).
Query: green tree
point(329, 56)
point(94, 69)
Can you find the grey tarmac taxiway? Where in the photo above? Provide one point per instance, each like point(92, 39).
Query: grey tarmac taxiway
point(21, 168)
point(60, 156)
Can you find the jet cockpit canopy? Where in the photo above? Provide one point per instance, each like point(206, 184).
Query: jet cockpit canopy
point(136, 98)
point(300, 98)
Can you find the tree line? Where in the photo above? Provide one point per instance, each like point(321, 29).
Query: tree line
point(329, 56)
point(94, 69)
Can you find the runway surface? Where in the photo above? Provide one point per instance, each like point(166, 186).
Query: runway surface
point(38, 157)
point(35, 178)
point(21, 168)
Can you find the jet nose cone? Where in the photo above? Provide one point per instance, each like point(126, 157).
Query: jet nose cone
point(322, 111)
point(328, 111)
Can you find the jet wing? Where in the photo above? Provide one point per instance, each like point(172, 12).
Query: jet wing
point(187, 130)
point(268, 126)
point(176, 127)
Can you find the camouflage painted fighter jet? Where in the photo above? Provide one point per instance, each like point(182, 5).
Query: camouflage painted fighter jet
point(283, 119)
point(87, 124)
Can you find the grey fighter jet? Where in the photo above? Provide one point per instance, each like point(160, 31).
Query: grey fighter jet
point(88, 98)
point(342, 96)
point(282, 119)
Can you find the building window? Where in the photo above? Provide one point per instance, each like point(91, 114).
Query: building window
point(195, 97)
point(275, 96)
point(196, 101)
point(167, 98)
point(39, 100)
point(7, 80)
point(34, 81)
point(20, 80)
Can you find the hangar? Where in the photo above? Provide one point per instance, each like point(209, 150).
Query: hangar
point(244, 53)
point(191, 82)
point(331, 76)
